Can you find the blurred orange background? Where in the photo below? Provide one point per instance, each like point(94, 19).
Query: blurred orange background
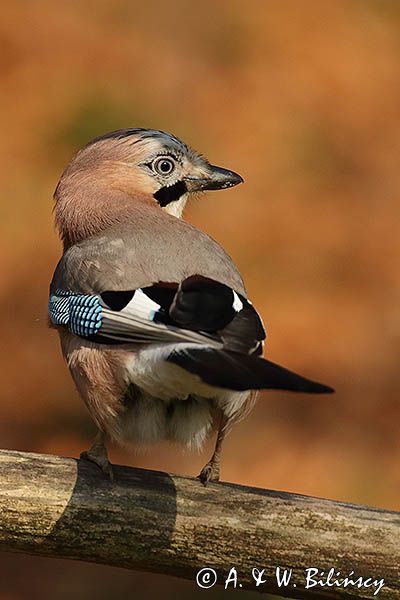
point(302, 99)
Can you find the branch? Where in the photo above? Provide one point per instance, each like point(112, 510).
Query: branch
point(153, 521)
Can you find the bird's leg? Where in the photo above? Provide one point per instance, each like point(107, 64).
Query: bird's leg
point(210, 472)
point(97, 454)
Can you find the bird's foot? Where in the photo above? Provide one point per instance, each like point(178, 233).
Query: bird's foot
point(99, 457)
point(209, 473)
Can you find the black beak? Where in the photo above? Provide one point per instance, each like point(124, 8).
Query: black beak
point(217, 179)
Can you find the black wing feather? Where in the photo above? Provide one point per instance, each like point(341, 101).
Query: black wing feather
point(202, 304)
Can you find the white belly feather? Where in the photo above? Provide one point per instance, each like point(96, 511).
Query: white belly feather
point(174, 404)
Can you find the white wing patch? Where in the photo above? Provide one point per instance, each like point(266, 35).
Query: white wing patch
point(237, 303)
point(135, 323)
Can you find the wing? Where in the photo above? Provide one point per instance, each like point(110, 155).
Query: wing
point(199, 310)
point(216, 333)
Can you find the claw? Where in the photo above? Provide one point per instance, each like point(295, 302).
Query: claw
point(97, 454)
point(209, 473)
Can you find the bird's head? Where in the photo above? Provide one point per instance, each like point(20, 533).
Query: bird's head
point(149, 163)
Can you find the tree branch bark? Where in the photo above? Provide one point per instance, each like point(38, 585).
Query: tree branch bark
point(153, 521)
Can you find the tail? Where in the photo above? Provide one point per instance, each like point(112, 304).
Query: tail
point(233, 371)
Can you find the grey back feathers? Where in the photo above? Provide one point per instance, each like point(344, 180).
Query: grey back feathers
point(145, 250)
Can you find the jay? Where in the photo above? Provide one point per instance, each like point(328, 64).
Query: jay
point(153, 318)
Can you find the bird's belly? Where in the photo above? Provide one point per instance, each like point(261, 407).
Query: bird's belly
point(165, 402)
point(149, 420)
point(149, 371)
point(169, 403)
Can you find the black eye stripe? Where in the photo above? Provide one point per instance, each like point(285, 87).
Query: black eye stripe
point(168, 194)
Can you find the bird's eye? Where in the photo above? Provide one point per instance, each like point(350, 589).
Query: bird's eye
point(163, 166)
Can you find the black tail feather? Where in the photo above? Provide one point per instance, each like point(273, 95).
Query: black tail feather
point(233, 371)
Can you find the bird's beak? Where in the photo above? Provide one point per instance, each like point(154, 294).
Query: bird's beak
point(216, 178)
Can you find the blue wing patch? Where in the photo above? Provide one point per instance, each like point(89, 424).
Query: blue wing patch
point(81, 313)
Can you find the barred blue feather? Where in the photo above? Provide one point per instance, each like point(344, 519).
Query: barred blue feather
point(81, 313)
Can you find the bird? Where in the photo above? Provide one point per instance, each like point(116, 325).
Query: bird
point(153, 317)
